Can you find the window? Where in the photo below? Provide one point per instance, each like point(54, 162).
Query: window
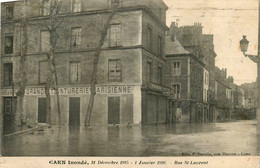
point(176, 68)
point(177, 90)
point(45, 7)
point(149, 71)
point(159, 44)
point(45, 40)
point(159, 75)
point(205, 95)
point(75, 72)
point(75, 37)
point(206, 78)
point(228, 94)
point(8, 74)
point(114, 2)
point(115, 70)
point(43, 72)
point(149, 37)
point(76, 5)
point(160, 13)
point(114, 35)
point(9, 12)
point(9, 44)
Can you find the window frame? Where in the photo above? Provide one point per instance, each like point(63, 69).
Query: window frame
point(179, 84)
point(174, 70)
point(118, 40)
point(45, 9)
point(79, 73)
point(160, 45)
point(42, 83)
point(41, 42)
point(12, 43)
point(149, 37)
point(110, 2)
point(150, 75)
point(73, 3)
point(121, 70)
point(80, 37)
point(159, 75)
point(7, 14)
point(10, 74)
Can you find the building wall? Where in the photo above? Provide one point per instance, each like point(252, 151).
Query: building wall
point(132, 51)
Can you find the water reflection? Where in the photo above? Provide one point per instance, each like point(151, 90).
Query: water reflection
point(147, 140)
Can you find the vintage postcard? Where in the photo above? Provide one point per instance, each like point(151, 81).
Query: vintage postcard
point(130, 83)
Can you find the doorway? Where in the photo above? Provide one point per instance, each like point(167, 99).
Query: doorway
point(113, 110)
point(9, 113)
point(42, 110)
point(74, 111)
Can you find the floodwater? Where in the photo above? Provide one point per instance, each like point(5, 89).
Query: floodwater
point(234, 138)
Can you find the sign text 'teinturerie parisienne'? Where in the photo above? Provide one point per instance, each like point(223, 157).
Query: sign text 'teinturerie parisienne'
point(72, 90)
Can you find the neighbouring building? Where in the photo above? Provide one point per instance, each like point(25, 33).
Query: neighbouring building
point(190, 57)
point(223, 95)
point(249, 101)
point(130, 83)
point(250, 95)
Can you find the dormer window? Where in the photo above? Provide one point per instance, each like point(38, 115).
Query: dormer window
point(9, 12)
point(76, 5)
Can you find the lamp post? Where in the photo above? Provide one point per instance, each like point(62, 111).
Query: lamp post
point(255, 58)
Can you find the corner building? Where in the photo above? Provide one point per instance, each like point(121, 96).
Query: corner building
point(130, 83)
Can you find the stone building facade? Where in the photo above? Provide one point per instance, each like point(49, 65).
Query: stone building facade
point(192, 54)
point(130, 83)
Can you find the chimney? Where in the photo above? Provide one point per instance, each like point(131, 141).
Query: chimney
point(173, 31)
point(173, 25)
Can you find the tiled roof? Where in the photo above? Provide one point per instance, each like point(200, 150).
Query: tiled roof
point(174, 47)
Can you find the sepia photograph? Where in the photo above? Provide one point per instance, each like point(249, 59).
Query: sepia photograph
point(130, 78)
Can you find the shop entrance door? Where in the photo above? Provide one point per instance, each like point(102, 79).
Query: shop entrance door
point(114, 110)
point(42, 110)
point(9, 112)
point(74, 111)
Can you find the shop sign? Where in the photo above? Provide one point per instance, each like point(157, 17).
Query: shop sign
point(73, 90)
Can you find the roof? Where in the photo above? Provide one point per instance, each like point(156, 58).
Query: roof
point(174, 47)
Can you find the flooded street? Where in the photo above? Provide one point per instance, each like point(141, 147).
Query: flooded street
point(149, 140)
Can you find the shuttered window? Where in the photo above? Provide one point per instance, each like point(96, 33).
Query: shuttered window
point(8, 74)
point(159, 75)
point(43, 72)
point(75, 37)
point(9, 12)
point(9, 44)
point(45, 7)
point(149, 71)
point(115, 35)
point(76, 5)
point(115, 70)
point(75, 72)
point(45, 41)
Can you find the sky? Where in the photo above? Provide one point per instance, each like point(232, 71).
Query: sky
point(227, 20)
